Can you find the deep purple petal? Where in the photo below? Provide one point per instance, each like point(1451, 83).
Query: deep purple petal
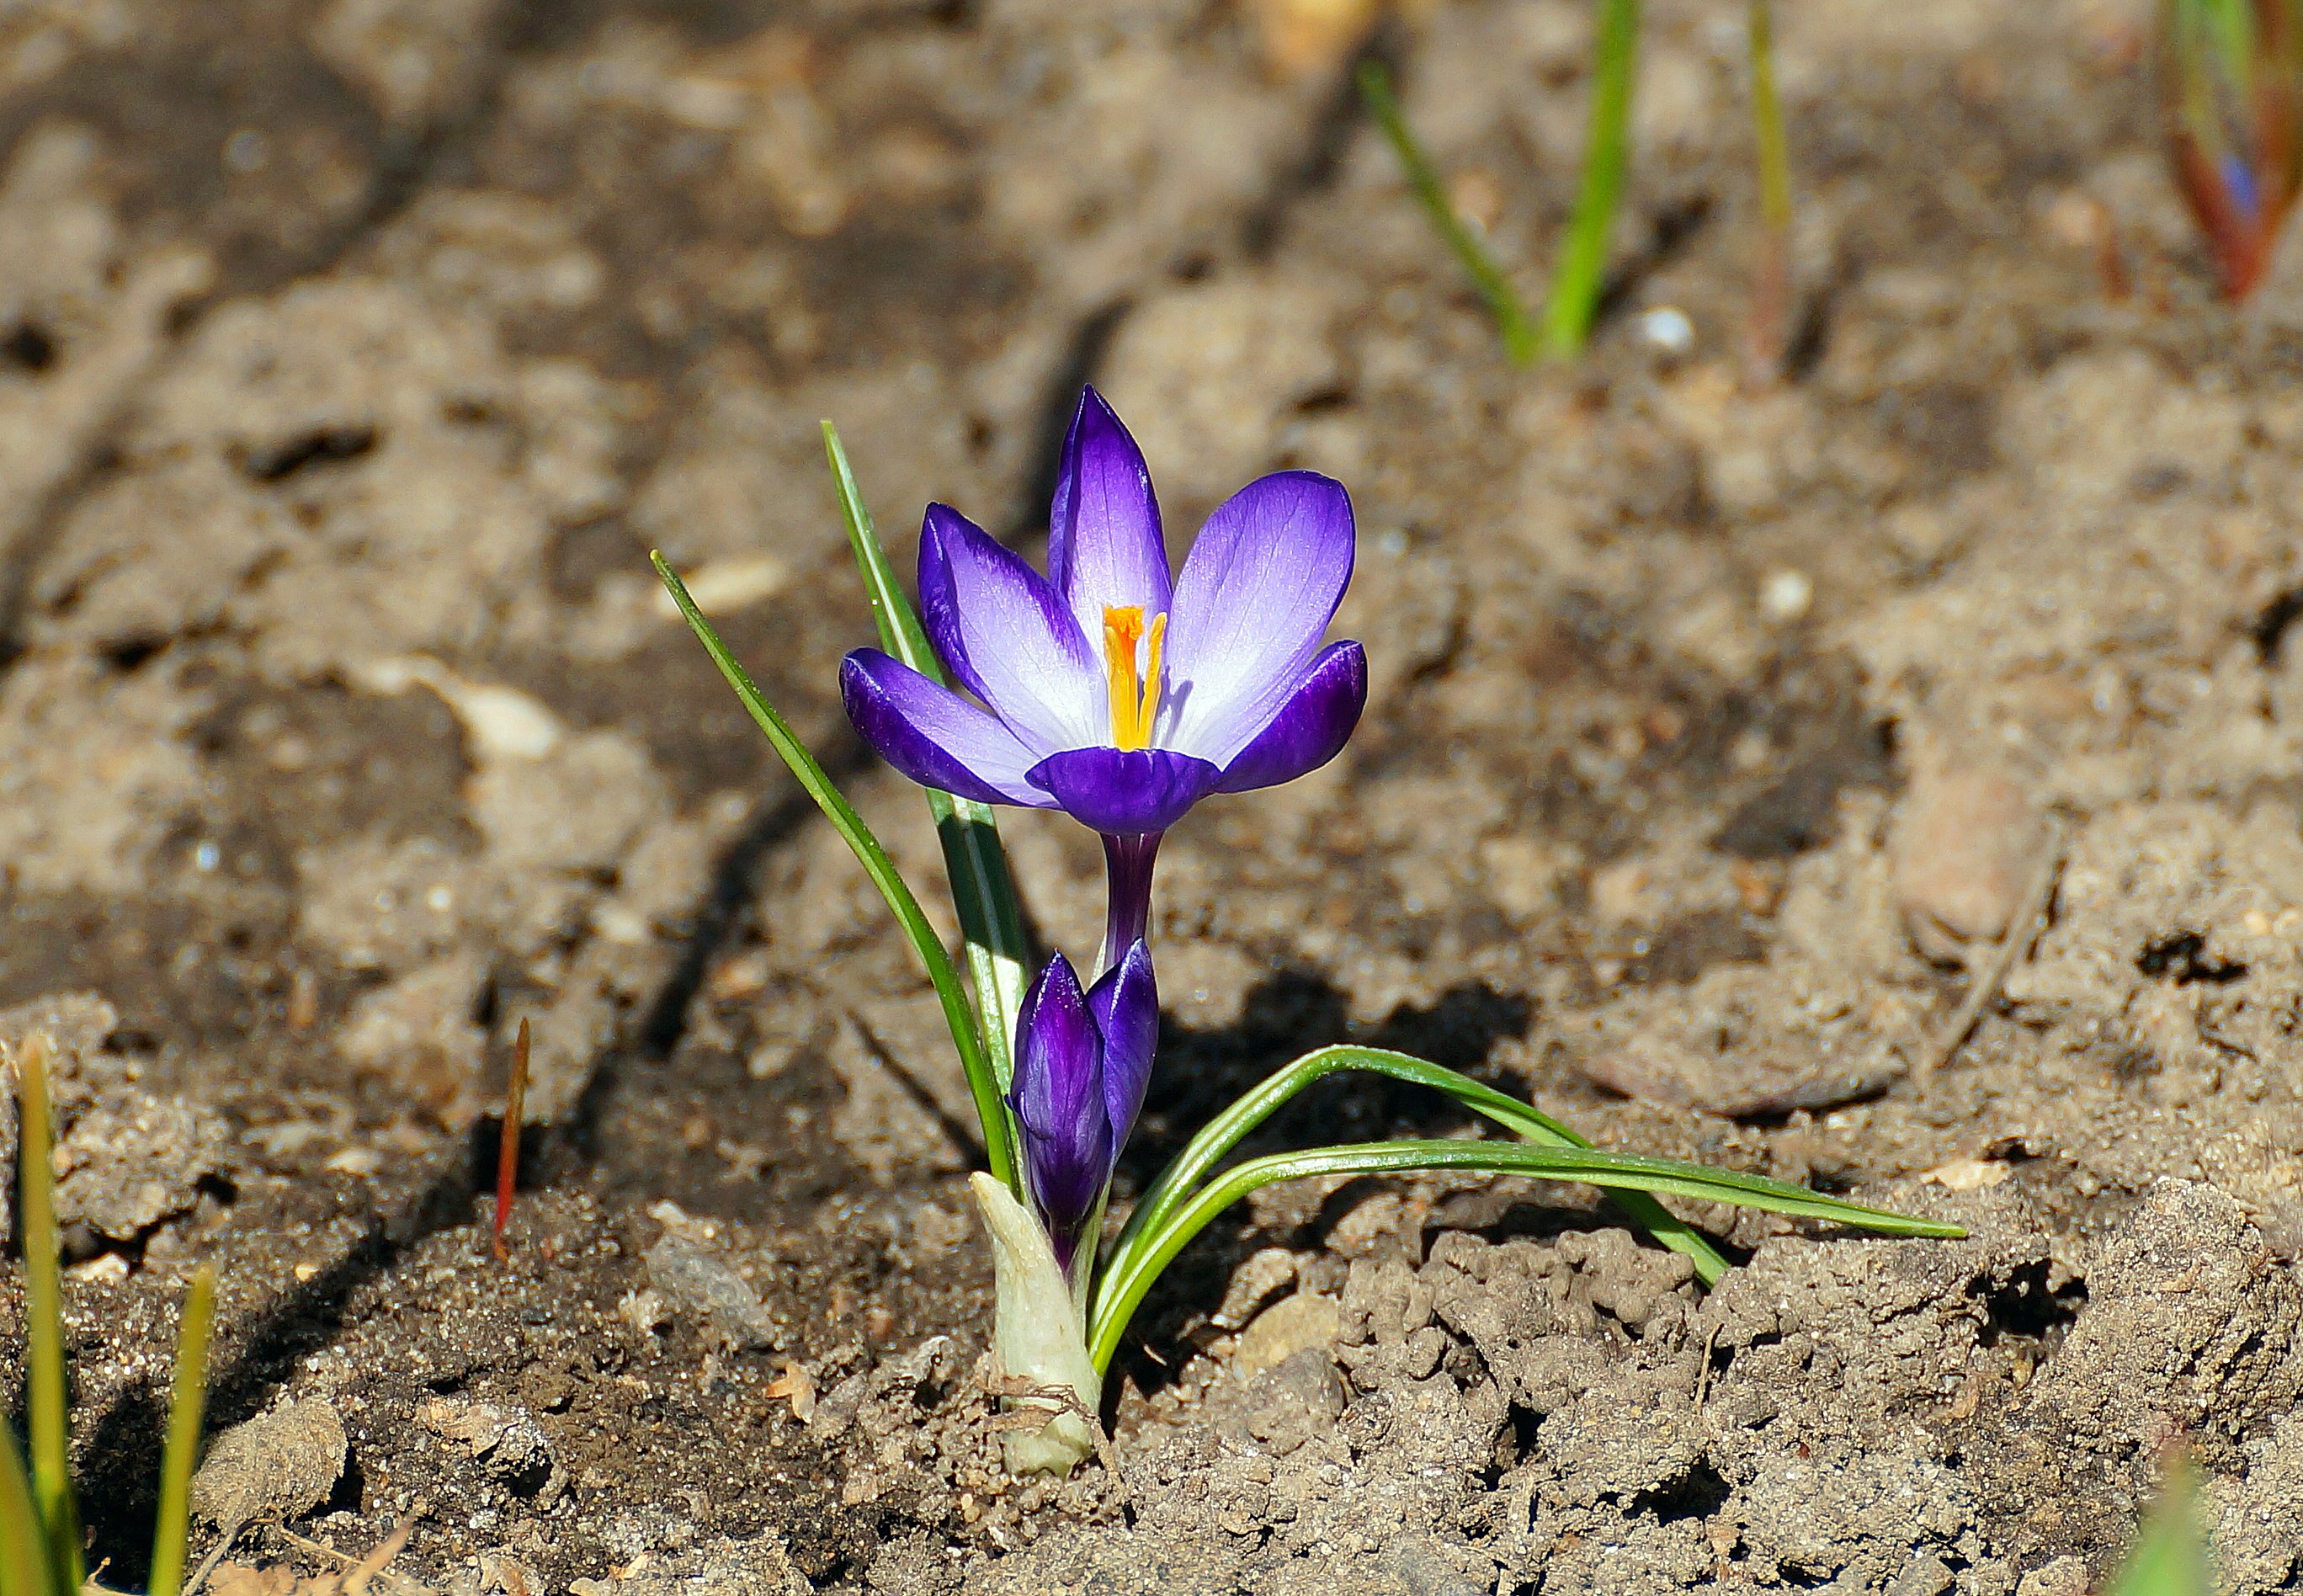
point(1124, 793)
point(934, 736)
point(1057, 1096)
point(1005, 632)
point(1126, 1003)
point(1255, 596)
point(1313, 724)
point(1104, 548)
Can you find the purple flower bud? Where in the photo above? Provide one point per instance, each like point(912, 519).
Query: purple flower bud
point(1083, 1060)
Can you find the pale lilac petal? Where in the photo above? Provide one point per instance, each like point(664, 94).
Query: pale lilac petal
point(1006, 633)
point(1254, 598)
point(934, 736)
point(1057, 1096)
point(1124, 793)
point(1313, 724)
point(1125, 1002)
point(1104, 548)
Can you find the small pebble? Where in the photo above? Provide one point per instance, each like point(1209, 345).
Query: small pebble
point(1786, 595)
point(1668, 330)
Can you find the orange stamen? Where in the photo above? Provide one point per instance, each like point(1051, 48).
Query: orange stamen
point(1135, 699)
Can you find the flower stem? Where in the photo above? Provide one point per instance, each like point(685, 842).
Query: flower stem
point(1127, 903)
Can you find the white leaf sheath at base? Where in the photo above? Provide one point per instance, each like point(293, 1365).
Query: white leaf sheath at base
point(1037, 1333)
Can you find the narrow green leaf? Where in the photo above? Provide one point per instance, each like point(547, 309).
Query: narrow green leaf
point(1227, 1130)
point(2169, 1557)
point(1512, 319)
point(44, 1349)
point(185, 1409)
point(983, 890)
point(1127, 1285)
point(1582, 270)
point(999, 1143)
point(23, 1548)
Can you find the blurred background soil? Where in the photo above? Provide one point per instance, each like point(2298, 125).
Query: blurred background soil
point(352, 355)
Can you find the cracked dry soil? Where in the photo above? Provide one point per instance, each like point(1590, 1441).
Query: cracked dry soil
point(352, 354)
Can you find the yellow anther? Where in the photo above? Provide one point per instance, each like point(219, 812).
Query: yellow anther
point(1135, 699)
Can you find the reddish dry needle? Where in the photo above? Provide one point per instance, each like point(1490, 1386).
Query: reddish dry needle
point(507, 1151)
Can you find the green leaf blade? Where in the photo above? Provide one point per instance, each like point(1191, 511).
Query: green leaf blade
point(24, 1568)
point(1503, 302)
point(982, 888)
point(172, 1527)
point(1582, 269)
point(1217, 1139)
point(1126, 1284)
point(991, 1109)
point(44, 1349)
point(2169, 1557)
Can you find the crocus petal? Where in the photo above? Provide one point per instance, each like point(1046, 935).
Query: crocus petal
point(1255, 596)
point(1057, 1096)
point(1126, 1003)
point(1125, 792)
point(934, 736)
point(1313, 724)
point(1006, 633)
point(1104, 548)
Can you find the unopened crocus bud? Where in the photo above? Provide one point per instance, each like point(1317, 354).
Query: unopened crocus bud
point(1082, 1059)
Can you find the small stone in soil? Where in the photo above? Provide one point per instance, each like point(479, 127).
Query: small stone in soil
point(279, 1465)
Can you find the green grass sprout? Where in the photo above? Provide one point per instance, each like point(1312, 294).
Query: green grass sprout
point(1766, 335)
point(1511, 316)
point(186, 1406)
point(1582, 270)
point(2170, 1556)
point(44, 1351)
point(41, 1539)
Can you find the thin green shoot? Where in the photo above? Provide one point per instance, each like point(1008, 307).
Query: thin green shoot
point(1582, 270)
point(44, 1350)
point(2169, 1557)
point(1227, 1130)
point(983, 1086)
point(1766, 335)
point(983, 888)
point(1503, 302)
point(1133, 1277)
point(186, 1406)
point(24, 1568)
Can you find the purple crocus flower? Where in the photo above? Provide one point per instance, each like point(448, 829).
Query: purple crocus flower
point(1083, 1060)
point(1108, 689)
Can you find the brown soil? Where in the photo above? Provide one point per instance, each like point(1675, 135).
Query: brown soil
point(352, 355)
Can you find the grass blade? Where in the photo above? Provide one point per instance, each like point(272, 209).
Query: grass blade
point(23, 1550)
point(44, 1347)
point(1767, 331)
point(1512, 319)
point(185, 1409)
point(999, 1141)
point(1227, 1130)
point(1126, 1283)
point(1582, 268)
point(982, 888)
point(2169, 1557)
